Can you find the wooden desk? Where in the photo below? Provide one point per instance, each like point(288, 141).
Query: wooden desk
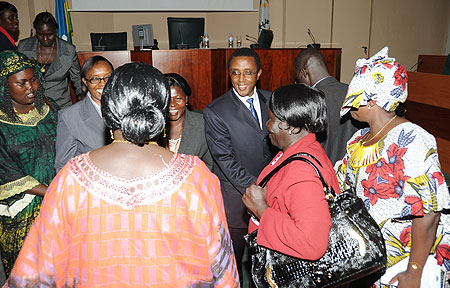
point(206, 69)
point(428, 105)
point(116, 58)
point(431, 63)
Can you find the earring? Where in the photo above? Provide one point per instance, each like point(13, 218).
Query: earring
point(290, 132)
point(164, 135)
point(369, 107)
point(112, 134)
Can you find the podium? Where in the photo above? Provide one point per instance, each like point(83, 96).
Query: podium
point(206, 69)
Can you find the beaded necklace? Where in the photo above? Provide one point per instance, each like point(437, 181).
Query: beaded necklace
point(362, 156)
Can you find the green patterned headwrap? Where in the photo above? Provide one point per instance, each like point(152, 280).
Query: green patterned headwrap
point(12, 62)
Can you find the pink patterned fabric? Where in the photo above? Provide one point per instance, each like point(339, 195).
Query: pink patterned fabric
point(97, 230)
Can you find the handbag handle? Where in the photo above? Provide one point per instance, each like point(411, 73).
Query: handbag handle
point(329, 191)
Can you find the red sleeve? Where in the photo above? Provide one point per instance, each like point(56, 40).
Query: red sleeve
point(298, 220)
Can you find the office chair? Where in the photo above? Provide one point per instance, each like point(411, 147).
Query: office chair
point(185, 31)
point(109, 41)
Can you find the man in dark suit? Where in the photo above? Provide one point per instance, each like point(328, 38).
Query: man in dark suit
point(311, 70)
point(237, 138)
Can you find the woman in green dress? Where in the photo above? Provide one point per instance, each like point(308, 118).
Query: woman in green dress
point(27, 150)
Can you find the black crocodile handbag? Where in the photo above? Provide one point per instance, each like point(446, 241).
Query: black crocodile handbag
point(356, 247)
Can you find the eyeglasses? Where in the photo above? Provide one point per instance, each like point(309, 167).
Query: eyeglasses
point(96, 80)
point(246, 73)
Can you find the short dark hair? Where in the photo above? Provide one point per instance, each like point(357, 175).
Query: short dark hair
point(300, 106)
point(136, 100)
point(178, 80)
point(305, 55)
point(246, 52)
point(88, 64)
point(45, 18)
point(6, 6)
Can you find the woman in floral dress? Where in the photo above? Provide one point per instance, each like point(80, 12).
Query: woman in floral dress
point(395, 169)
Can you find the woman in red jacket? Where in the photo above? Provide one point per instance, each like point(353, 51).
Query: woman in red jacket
point(292, 210)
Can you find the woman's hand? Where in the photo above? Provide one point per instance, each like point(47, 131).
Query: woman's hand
point(38, 190)
point(407, 279)
point(423, 235)
point(255, 200)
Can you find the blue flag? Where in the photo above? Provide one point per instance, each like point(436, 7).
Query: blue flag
point(65, 30)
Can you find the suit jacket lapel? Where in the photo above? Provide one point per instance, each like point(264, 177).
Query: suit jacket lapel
point(56, 64)
point(185, 139)
point(243, 110)
point(89, 115)
point(33, 49)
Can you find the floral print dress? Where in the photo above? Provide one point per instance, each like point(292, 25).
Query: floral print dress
point(405, 181)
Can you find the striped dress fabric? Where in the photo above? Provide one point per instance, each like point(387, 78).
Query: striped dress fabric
point(97, 230)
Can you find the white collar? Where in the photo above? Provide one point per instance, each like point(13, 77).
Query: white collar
point(315, 84)
point(244, 98)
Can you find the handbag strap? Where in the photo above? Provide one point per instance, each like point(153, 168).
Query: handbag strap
point(329, 191)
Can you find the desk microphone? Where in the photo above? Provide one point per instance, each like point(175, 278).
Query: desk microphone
point(418, 63)
point(251, 38)
point(99, 46)
point(255, 41)
point(314, 44)
point(181, 45)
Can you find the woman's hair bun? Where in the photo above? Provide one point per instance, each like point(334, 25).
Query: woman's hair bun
point(141, 124)
point(136, 100)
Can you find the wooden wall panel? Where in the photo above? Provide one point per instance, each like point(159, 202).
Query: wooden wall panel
point(431, 63)
point(206, 69)
point(117, 58)
point(142, 56)
point(431, 89)
point(434, 119)
point(444, 155)
point(278, 65)
point(194, 66)
point(428, 105)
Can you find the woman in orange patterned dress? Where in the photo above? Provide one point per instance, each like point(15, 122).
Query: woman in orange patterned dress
point(130, 214)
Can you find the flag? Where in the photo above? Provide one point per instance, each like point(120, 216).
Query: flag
point(264, 22)
point(65, 30)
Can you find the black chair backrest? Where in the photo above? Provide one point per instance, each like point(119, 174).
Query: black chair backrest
point(109, 41)
point(265, 38)
point(186, 30)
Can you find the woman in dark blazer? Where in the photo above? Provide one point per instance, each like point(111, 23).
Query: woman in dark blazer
point(186, 132)
point(9, 26)
point(80, 126)
point(58, 59)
